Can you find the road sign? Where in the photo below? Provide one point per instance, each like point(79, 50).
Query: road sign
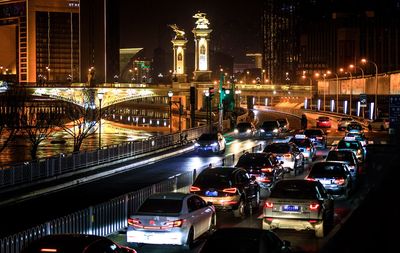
point(394, 111)
point(363, 100)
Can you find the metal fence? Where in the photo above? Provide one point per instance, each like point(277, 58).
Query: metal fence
point(35, 171)
point(109, 217)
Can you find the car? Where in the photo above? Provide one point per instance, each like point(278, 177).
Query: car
point(359, 137)
point(210, 143)
point(299, 204)
point(305, 146)
point(317, 137)
point(270, 128)
point(171, 218)
point(350, 143)
point(289, 154)
point(228, 189)
point(334, 176)
point(323, 121)
point(354, 127)
point(264, 166)
point(76, 243)
point(284, 124)
point(344, 122)
point(381, 124)
point(245, 129)
point(244, 240)
point(348, 157)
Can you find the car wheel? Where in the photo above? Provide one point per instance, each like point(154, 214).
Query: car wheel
point(240, 211)
point(319, 230)
point(190, 239)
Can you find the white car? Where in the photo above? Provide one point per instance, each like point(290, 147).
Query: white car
point(171, 218)
point(379, 124)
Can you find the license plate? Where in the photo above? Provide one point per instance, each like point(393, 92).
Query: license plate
point(312, 139)
point(291, 208)
point(211, 193)
point(325, 181)
point(279, 158)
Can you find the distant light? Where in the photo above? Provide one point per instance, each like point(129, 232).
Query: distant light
point(305, 103)
point(345, 107)
point(266, 102)
point(332, 105)
point(319, 104)
point(358, 108)
point(371, 110)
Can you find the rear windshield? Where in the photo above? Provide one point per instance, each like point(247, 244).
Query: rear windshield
point(323, 118)
point(327, 170)
point(269, 124)
point(213, 180)
point(346, 119)
point(302, 142)
point(161, 206)
point(340, 156)
point(208, 137)
point(253, 161)
point(277, 148)
point(294, 190)
point(244, 126)
point(354, 126)
point(282, 121)
point(309, 132)
point(348, 145)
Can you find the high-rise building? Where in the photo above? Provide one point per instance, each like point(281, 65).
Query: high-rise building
point(99, 40)
point(39, 40)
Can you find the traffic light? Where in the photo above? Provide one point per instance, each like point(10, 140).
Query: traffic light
point(211, 91)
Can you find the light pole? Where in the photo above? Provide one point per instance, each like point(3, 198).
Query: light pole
point(207, 94)
point(337, 90)
point(263, 77)
point(100, 97)
point(376, 84)
point(311, 91)
point(170, 94)
point(362, 75)
point(323, 76)
point(351, 88)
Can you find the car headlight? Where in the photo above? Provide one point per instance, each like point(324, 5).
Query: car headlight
point(248, 131)
point(262, 130)
point(275, 130)
point(197, 145)
point(214, 144)
point(236, 131)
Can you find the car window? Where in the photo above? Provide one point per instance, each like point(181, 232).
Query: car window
point(247, 161)
point(296, 190)
point(194, 203)
point(313, 132)
point(277, 148)
point(242, 178)
point(348, 145)
point(328, 170)
point(161, 206)
point(213, 179)
point(208, 137)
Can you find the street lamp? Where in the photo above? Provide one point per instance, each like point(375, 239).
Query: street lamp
point(100, 97)
point(351, 89)
point(337, 90)
point(237, 92)
point(323, 76)
point(364, 61)
point(263, 77)
point(362, 75)
point(170, 94)
point(311, 91)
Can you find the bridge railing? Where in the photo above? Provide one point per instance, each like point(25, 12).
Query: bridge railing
point(108, 217)
point(36, 171)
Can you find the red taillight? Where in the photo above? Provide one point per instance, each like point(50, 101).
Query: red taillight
point(175, 223)
point(230, 190)
point(264, 180)
point(287, 155)
point(269, 204)
point(314, 206)
point(339, 181)
point(194, 189)
point(319, 138)
point(266, 169)
point(133, 221)
point(310, 179)
point(48, 250)
point(308, 148)
point(312, 221)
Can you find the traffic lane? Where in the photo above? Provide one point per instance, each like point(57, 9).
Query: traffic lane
point(61, 203)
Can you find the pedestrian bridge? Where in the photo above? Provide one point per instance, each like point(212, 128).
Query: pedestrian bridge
point(109, 96)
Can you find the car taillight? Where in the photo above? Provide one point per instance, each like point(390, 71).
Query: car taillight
point(175, 223)
point(194, 189)
point(308, 148)
point(133, 221)
point(48, 250)
point(339, 181)
point(263, 180)
point(358, 152)
point(287, 155)
point(314, 206)
point(269, 204)
point(266, 169)
point(319, 138)
point(230, 190)
point(310, 179)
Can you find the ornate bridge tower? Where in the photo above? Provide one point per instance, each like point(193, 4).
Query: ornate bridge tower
point(201, 33)
point(179, 47)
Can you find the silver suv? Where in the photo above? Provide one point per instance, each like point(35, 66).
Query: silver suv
point(299, 204)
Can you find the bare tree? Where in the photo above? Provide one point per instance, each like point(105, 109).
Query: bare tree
point(11, 106)
point(82, 121)
point(39, 123)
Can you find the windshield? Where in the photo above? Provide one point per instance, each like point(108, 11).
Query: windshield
point(341, 156)
point(243, 126)
point(302, 142)
point(208, 137)
point(253, 162)
point(327, 170)
point(299, 189)
point(269, 124)
point(161, 206)
point(354, 127)
point(277, 148)
point(348, 145)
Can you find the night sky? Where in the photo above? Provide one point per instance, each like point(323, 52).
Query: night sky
point(236, 25)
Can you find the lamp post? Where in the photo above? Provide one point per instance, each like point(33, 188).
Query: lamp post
point(311, 91)
point(263, 76)
point(364, 61)
point(100, 97)
point(362, 75)
point(337, 90)
point(170, 94)
point(351, 89)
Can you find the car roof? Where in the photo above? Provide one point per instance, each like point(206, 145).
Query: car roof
point(69, 242)
point(170, 195)
point(300, 182)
